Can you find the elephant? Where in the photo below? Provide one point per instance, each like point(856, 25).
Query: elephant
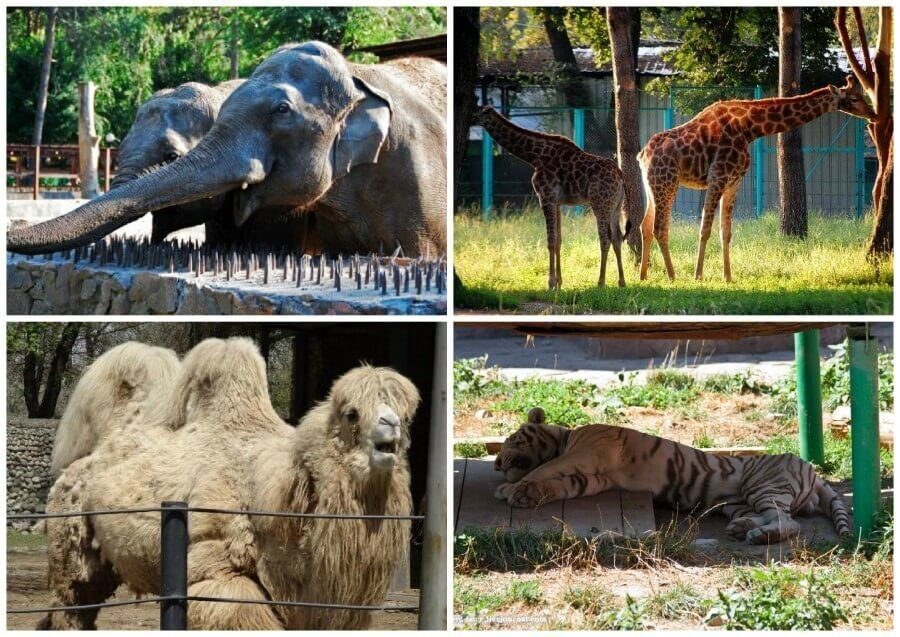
point(360, 145)
point(167, 126)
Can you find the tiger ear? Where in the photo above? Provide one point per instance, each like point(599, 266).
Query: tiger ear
point(537, 416)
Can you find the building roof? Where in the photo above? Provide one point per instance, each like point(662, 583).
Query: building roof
point(539, 59)
point(434, 47)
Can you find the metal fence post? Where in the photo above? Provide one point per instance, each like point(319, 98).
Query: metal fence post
point(864, 438)
point(578, 127)
point(758, 164)
point(487, 174)
point(36, 190)
point(433, 596)
point(809, 396)
point(859, 148)
point(669, 113)
point(173, 557)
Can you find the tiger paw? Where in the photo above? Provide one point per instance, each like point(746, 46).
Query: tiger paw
point(503, 491)
point(737, 529)
point(526, 495)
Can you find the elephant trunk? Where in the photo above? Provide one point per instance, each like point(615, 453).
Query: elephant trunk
point(189, 179)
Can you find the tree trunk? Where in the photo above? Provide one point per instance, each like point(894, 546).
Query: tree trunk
point(44, 80)
point(45, 407)
point(467, 35)
point(234, 51)
point(792, 187)
point(88, 142)
point(882, 241)
point(574, 90)
point(618, 20)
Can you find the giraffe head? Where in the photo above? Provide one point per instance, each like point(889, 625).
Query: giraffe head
point(850, 99)
point(481, 114)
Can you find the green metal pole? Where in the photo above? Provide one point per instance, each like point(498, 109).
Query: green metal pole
point(809, 396)
point(864, 438)
point(669, 113)
point(578, 138)
point(859, 148)
point(758, 164)
point(487, 174)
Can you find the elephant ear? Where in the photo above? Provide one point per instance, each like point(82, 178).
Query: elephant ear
point(364, 131)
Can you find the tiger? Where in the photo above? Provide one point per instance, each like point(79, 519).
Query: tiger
point(759, 494)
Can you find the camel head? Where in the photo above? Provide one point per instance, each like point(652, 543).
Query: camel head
point(370, 411)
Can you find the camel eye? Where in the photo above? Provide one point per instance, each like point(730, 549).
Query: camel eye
point(352, 416)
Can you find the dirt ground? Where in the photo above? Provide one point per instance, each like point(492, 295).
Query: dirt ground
point(26, 587)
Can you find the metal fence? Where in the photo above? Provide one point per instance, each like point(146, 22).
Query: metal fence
point(839, 174)
point(174, 541)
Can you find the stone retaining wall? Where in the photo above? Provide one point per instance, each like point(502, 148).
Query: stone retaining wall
point(55, 287)
point(29, 443)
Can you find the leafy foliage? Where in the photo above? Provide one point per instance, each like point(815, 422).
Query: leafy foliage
point(837, 464)
point(469, 450)
point(565, 402)
point(664, 389)
point(779, 598)
point(131, 52)
point(472, 380)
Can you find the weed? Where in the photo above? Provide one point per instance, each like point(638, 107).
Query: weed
point(476, 605)
point(679, 601)
point(732, 384)
point(564, 402)
point(837, 464)
point(469, 450)
point(778, 598)
point(526, 591)
point(630, 617)
point(703, 440)
point(472, 379)
point(591, 600)
point(664, 389)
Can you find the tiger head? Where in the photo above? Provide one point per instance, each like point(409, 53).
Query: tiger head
point(532, 445)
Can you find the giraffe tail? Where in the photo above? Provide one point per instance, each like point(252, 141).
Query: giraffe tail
point(834, 507)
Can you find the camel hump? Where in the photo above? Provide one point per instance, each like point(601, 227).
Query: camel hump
point(124, 378)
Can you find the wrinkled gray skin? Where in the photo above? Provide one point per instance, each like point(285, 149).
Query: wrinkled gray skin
point(362, 146)
point(167, 126)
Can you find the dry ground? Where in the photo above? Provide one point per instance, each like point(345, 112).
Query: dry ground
point(26, 587)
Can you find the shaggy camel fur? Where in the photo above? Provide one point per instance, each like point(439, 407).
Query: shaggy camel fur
point(131, 372)
point(224, 446)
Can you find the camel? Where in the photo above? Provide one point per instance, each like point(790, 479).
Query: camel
point(219, 443)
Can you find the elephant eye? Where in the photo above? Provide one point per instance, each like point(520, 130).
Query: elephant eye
point(172, 155)
point(283, 107)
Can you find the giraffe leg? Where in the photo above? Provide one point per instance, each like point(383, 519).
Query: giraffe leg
point(617, 248)
point(666, 200)
point(558, 217)
point(727, 206)
point(604, 253)
point(604, 234)
point(548, 210)
point(713, 195)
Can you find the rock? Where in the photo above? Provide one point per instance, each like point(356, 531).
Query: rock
point(89, 288)
point(41, 307)
point(18, 302)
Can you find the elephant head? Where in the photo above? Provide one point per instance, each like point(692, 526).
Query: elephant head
point(301, 122)
point(168, 126)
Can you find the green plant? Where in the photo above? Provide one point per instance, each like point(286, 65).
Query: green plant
point(469, 450)
point(631, 616)
point(564, 402)
point(732, 384)
point(678, 601)
point(664, 389)
point(838, 451)
point(703, 440)
point(472, 379)
point(526, 591)
point(778, 598)
point(591, 600)
point(475, 605)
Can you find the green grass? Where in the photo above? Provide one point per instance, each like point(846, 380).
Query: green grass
point(503, 264)
point(565, 402)
point(838, 464)
point(18, 541)
point(779, 598)
point(469, 450)
point(664, 389)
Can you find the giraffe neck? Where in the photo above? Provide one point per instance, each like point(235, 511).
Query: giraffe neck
point(521, 142)
point(781, 114)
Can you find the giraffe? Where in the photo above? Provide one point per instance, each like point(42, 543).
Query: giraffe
point(565, 174)
point(711, 152)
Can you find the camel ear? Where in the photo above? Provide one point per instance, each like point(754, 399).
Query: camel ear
point(364, 130)
point(537, 416)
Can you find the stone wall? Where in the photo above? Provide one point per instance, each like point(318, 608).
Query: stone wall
point(29, 443)
point(57, 287)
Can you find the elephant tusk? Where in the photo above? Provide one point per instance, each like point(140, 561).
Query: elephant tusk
point(244, 186)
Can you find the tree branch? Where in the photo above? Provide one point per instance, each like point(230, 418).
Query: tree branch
point(867, 81)
point(863, 40)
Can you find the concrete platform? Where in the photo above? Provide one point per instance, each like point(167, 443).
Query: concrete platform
point(474, 505)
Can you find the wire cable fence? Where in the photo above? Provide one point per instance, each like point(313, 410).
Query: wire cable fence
point(174, 542)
